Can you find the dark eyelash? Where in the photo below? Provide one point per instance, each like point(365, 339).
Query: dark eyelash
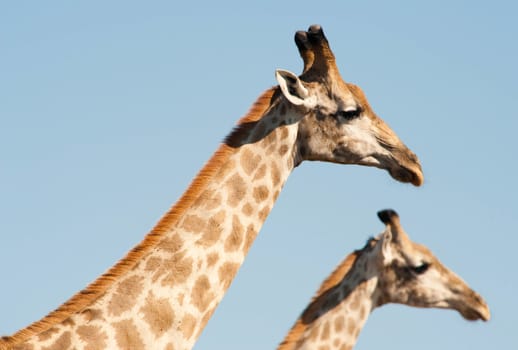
point(351, 114)
point(420, 269)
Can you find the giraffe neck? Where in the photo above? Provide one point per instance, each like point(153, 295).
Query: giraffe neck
point(340, 309)
point(164, 292)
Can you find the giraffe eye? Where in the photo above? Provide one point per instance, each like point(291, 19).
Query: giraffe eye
point(420, 269)
point(350, 113)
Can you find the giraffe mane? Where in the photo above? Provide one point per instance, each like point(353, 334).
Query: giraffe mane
point(98, 287)
point(309, 314)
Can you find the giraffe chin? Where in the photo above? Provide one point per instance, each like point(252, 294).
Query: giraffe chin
point(407, 175)
point(399, 172)
point(475, 315)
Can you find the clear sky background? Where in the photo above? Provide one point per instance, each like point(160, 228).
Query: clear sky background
point(108, 109)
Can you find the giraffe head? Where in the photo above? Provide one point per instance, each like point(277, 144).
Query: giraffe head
point(412, 275)
point(339, 125)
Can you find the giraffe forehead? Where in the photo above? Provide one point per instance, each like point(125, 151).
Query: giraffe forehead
point(337, 93)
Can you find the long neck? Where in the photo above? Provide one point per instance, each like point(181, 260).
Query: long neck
point(336, 315)
point(164, 292)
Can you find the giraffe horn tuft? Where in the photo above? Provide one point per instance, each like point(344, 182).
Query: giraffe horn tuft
point(388, 216)
point(305, 50)
point(319, 60)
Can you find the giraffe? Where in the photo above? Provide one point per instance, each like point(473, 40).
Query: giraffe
point(389, 269)
point(163, 292)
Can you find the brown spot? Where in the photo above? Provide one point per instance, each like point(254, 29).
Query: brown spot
point(336, 343)
point(126, 295)
point(63, 342)
point(260, 173)
point(236, 190)
point(251, 233)
point(276, 195)
point(158, 314)
point(247, 209)
point(68, 322)
point(127, 335)
point(202, 198)
point(180, 298)
point(46, 335)
point(235, 238)
point(270, 139)
point(193, 223)
point(176, 269)
point(346, 347)
point(283, 149)
point(226, 168)
point(276, 175)
point(249, 161)
point(313, 335)
point(260, 193)
point(24, 346)
point(213, 202)
point(153, 264)
point(284, 133)
point(93, 336)
point(325, 332)
point(171, 244)
point(212, 258)
point(355, 303)
point(263, 213)
point(91, 314)
point(213, 229)
point(169, 346)
point(204, 321)
point(201, 295)
point(350, 326)
point(208, 199)
point(323, 347)
point(339, 323)
point(270, 149)
point(188, 324)
point(227, 272)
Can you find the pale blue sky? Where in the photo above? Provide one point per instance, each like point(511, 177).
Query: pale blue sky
point(108, 109)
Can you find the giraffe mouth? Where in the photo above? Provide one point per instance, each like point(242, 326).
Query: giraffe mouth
point(475, 313)
point(472, 307)
point(407, 175)
point(403, 165)
point(399, 171)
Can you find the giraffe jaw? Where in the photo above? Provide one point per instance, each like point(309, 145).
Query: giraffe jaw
point(479, 312)
point(405, 174)
point(470, 305)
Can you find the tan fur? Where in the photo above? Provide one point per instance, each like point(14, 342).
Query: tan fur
point(85, 297)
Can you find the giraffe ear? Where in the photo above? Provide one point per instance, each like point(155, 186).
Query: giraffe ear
point(293, 89)
point(387, 248)
point(388, 217)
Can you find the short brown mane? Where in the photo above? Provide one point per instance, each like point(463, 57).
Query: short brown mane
point(97, 288)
